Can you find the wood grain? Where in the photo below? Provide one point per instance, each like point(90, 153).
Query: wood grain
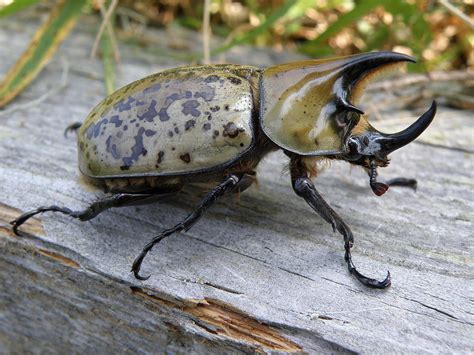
point(260, 274)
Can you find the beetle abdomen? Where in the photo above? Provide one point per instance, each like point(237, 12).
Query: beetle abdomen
point(178, 121)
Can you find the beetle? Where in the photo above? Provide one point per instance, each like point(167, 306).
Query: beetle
point(215, 123)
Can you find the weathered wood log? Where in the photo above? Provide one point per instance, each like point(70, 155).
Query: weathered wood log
point(262, 273)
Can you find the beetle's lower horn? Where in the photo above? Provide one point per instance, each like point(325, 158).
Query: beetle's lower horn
point(391, 142)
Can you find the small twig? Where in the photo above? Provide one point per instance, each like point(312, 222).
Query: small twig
point(455, 11)
point(104, 23)
point(56, 88)
point(111, 33)
point(206, 31)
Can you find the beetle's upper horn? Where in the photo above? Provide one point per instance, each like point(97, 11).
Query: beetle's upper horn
point(391, 142)
point(360, 67)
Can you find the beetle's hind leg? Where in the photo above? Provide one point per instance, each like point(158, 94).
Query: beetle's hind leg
point(73, 127)
point(228, 185)
point(118, 200)
point(304, 188)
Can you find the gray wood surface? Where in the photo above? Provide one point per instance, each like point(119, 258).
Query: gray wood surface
point(260, 273)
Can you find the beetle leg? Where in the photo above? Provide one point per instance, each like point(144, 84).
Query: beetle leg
point(92, 211)
point(226, 186)
point(73, 127)
point(304, 188)
point(379, 188)
point(403, 182)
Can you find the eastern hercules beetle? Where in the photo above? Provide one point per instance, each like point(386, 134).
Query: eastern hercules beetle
point(215, 123)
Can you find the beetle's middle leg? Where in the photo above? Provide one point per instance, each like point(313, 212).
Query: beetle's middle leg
point(304, 187)
point(118, 200)
point(228, 185)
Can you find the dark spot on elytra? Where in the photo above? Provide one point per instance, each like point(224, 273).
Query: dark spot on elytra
point(119, 134)
point(234, 80)
point(176, 130)
point(231, 130)
point(173, 148)
point(116, 120)
point(94, 129)
point(137, 149)
point(125, 127)
point(124, 167)
point(207, 93)
point(170, 133)
point(150, 112)
point(150, 133)
point(189, 124)
point(152, 89)
point(185, 157)
point(215, 108)
point(112, 148)
point(133, 121)
point(211, 79)
point(241, 144)
point(226, 107)
point(215, 134)
point(163, 114)
point(206, 126)
point(190, 108)
point(123, 105)
point(161, 154)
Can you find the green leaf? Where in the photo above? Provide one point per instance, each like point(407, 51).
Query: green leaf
point(15, 6)
point(44, 44)
point(249, 36)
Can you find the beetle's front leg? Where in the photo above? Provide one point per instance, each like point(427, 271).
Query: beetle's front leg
point(304, 187)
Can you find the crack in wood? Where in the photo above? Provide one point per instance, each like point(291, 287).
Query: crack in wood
point(220, 318)
point(59, 258)
point(9, 213)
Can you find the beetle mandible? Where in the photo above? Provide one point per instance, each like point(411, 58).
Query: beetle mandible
point(215, 123)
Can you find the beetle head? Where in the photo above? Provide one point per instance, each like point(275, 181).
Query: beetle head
point(366, 146)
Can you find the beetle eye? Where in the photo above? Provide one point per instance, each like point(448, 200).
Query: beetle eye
point(353, 117)
point(347, 119)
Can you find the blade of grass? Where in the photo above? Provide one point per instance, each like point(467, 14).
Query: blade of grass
point(16, 6)
point(44, 44)
point(247, 37)
point(107, 46)
point(108, 62)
